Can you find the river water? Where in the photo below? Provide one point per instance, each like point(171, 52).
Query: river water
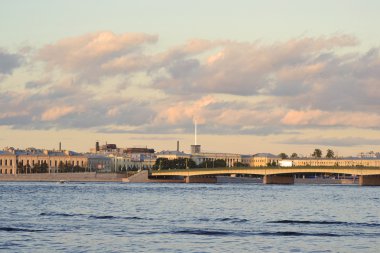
point(117, 217)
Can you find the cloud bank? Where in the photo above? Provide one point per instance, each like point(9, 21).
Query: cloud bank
point(126, 83)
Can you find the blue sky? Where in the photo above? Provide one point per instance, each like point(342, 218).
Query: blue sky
point(42, 21)
point(260, 76)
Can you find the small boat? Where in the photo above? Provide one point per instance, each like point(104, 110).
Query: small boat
point(61, 182)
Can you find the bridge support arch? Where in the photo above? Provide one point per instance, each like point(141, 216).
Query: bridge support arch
point(278, 179)
point(373, 180)
point(200, 180)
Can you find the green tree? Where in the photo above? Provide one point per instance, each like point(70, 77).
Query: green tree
point(20, 168)
point(317, 153)
point(37, 168)
point(219, 163)
point(44, 167)
point(161, 164)
point(272, 164)
point(207, 164)
point(28, 168)
point(330, 154)
point(283, 156)
point(61, 167)
point(240, 164)
point(190, 163)
point(294, 155)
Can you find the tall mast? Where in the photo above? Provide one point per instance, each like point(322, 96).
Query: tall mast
point(195, 132)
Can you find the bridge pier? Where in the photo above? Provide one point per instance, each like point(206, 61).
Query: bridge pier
point(201, 180)
point(373, 180)
point(278, 179)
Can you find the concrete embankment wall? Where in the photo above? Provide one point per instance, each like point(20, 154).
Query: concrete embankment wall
point(238, 180)
point(72, 177)
point(324, 181)
point(143, 177)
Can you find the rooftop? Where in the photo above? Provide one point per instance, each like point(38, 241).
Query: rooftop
point(268, 155)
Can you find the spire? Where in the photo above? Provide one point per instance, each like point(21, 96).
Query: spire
point(195, 132)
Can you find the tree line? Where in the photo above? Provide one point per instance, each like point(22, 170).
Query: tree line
point(188, 163)
point(44, 168)
point(316, 154)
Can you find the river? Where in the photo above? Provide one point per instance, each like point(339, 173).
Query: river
point(117, 217)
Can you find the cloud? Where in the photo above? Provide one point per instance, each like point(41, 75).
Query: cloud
point(63, 105)
point(94, 55)
point(56, 113)
point(230, 87)
point(36, 84)
point(323, 118)
point(334, 142)
point(9, 62)
point(184, 112)
point(244, 69)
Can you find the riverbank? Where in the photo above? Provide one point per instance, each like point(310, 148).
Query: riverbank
point(69, 177)
point(142, 177)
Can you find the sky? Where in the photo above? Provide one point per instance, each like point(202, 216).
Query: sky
point(257, 76)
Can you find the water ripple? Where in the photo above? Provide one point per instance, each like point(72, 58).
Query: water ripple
point(325, 223)
point(12, 229)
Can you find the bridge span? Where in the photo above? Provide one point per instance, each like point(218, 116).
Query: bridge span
point(280, 175)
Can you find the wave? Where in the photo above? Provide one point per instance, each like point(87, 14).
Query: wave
point(110, 217)
point(231, 220)
point(99, 217)
point(203, 232)
point(251, 233)
point(12, 229)
point(325, 223)
point(59, 214)
point(292, 233)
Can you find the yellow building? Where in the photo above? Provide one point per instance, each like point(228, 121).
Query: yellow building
point(264, 159)
point(14, 161)
point(343, 162)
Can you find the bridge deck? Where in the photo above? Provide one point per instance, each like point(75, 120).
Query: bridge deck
point(361, 171)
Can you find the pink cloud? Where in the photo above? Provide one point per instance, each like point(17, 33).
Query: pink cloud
point(182, 111)
point(324, 118)
point(57, 112)
point(89, 53)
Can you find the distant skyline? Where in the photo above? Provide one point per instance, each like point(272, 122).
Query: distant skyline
point(258, 76)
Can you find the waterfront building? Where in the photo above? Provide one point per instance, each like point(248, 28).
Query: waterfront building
point(171, 155)
point(200, 157)
point(106, 149)
point(345, 162)
point(7, 162)
point(133, 161)
point(99, 163)
point(14, 161)
point(369, 154)
point(246, 160)
point(136, 150)
point(264, 159)
point(230, 159)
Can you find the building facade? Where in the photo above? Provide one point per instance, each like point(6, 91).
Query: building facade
point(133, 162)
point(343, 162)
point(230, 159)
point(264, 159)
point(13, 161)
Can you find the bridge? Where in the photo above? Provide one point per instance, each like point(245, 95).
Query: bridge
point(275, 175)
